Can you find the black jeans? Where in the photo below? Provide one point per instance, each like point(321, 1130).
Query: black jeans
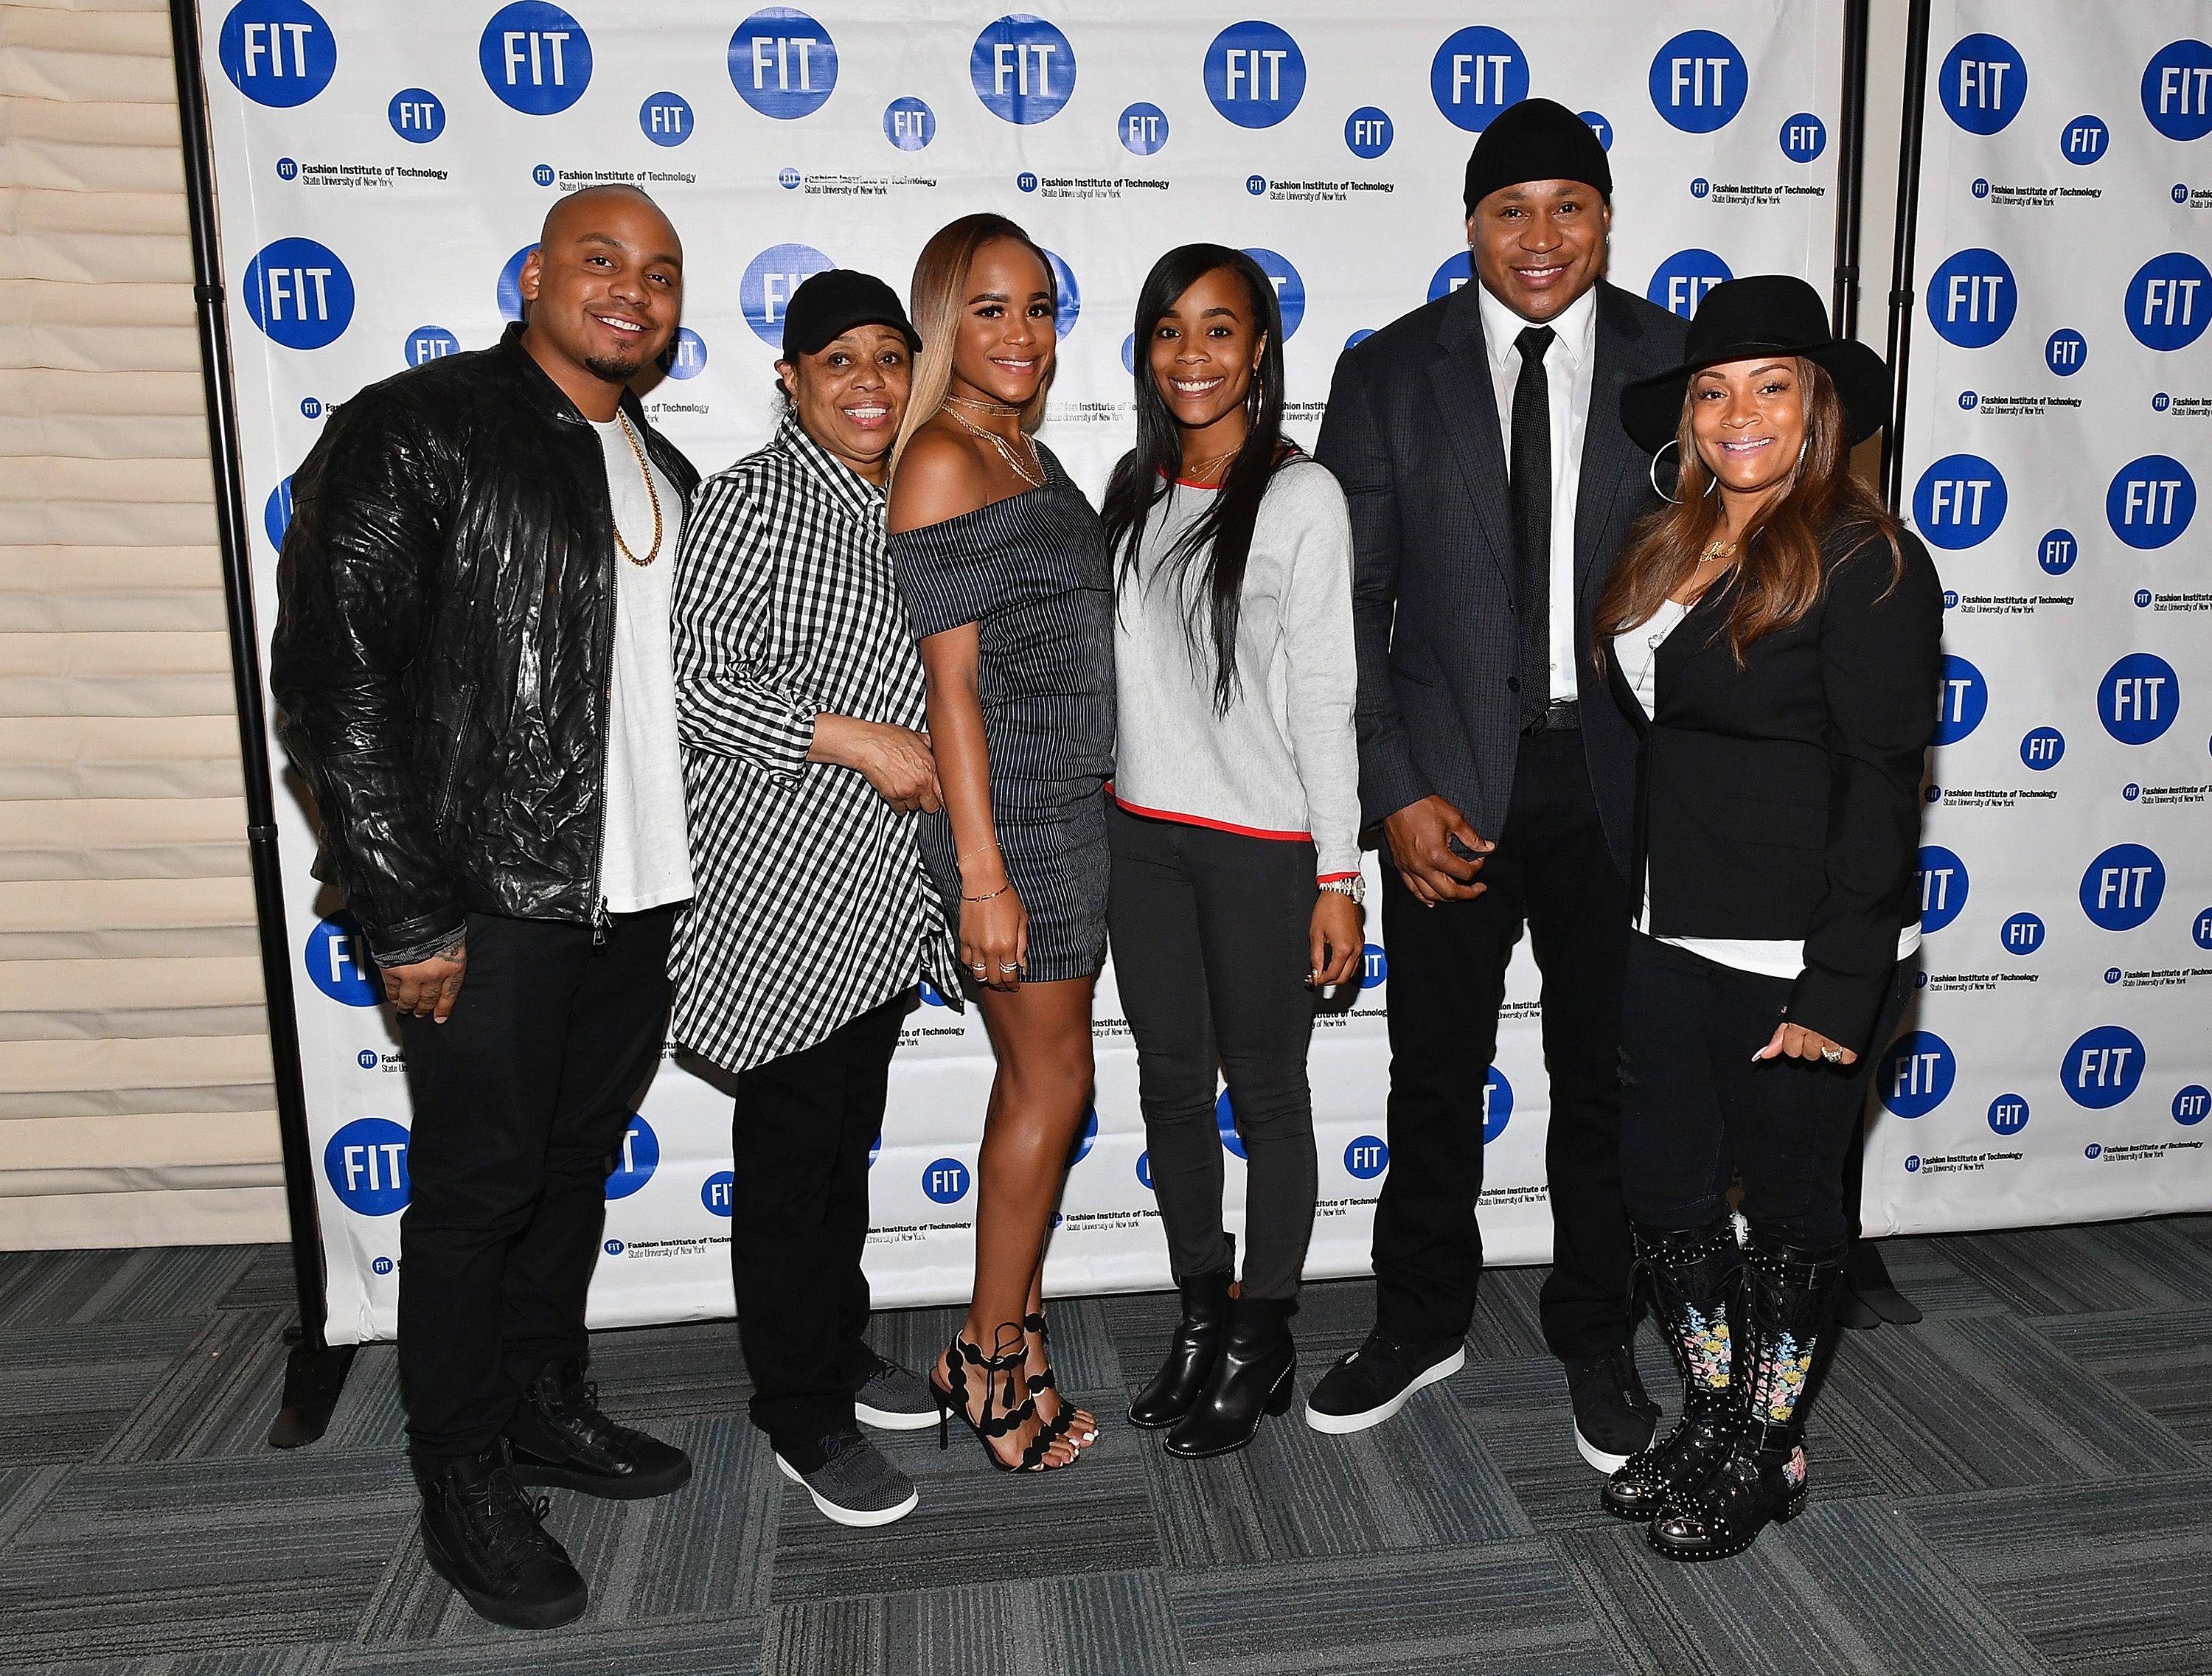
point(1697, 1109)
point(520, 1099)
point(1210, 932)
point(1551, 873)
point(801, 1132)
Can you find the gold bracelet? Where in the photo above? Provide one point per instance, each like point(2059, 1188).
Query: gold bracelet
point(978, 850)
point(993, 896)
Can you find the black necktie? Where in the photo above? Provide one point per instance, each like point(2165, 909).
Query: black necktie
point(1529, 485)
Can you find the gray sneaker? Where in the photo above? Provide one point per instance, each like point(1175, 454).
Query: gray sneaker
point(895, 1399)
point(856, 1484)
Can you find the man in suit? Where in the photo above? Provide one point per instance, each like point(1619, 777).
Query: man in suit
point(1479, 441)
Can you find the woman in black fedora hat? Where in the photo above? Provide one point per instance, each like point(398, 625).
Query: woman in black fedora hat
point(1772, 635)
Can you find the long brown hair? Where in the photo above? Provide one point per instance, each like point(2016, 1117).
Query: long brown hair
point(937, 300)
point(1779, 570)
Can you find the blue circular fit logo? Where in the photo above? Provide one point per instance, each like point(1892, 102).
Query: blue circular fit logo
point(1915, 1076)
point(1367, 132)
point(930, 995)
point(718, 1192)
point(764, 289)
point(909, 125)
point(1476, 74)
point(366, 1164)
point(1680, 283)
point(2066, 352)
point(1972, 299)
point(2138, 698)
point(2191, 1105)
point(1068, 299)
point(665, 118)
point(1374, 967)
point(1497, 1105)
point(2057, 552)
point(2082, 141)
point(1983, 82)
point(2177, 90)
point(2150, 501)
point(945, 1181)
point(2042, 748)
point(685, 357)
point(1022, 69)
point(278, 53)
point(1599, 126)
point(2008, 1114)
point(367, 1059)
point(2202, 930)
point(2123, 887)
point(1699, 82)
point(1254, 74)
point(336, 961)
point(783, 64)
point(2102, 1067)
point(1224, 1119)
point(1457, 273)
point(1145, 1170)
point(2169, 301)
point(429, 344)
point(1804, 137)
point(416, 114)
point(1943, 887)
point(1142, 129)
point(1290, 288)
point(1958, 501)
point(2022, 934)
point(1085, 1138)
point(508, 287)
point(1962, 698)
point(277, 512)
point(300, 294)
point(636, 1155)
point(535, 58)
point(1366, 1158)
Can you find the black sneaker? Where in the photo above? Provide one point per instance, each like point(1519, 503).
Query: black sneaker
point(561, 1439)
point(484, 1537)
point(856, 1484)
point(894, 1398)
point(1613, 1416)
point(1368, 1386)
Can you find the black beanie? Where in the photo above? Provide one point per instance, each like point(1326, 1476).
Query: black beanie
point(1536, 140)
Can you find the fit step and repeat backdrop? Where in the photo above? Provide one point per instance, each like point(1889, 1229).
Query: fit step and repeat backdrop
point(2059, 426)
point(383, 172)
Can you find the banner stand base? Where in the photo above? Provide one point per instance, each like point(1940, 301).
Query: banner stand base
point(313, 1377)
point(1870, 1297)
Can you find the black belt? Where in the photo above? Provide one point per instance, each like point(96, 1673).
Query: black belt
point(1561, 715)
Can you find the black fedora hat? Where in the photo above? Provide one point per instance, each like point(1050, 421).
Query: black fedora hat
point(1760, 314)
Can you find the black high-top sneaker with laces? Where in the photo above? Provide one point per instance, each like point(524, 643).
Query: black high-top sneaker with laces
point(561, 1438)
point(1789, 1302)
point(485, 1537)
point(1695, 1276)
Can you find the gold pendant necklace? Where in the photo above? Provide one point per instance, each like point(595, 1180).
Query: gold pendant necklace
point(651, 493)
point(998, 408)
point(1196, 472)
point(1033, 474)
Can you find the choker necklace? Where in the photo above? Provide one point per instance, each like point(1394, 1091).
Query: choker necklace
point(1033, 474)
point(998, 408)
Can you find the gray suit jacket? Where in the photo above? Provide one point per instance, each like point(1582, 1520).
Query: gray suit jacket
point(1411, 433)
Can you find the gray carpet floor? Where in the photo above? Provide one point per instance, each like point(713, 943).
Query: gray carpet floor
point(2019, 1484)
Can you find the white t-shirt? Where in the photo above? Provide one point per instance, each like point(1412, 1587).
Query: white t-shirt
point(646, 859)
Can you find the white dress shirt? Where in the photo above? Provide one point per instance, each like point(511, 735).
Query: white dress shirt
point(1569, 365)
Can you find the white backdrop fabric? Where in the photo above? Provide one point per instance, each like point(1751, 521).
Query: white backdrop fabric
point(381, 179)
point(2059, 428)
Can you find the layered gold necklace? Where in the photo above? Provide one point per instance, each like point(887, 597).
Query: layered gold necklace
point(1033, 473)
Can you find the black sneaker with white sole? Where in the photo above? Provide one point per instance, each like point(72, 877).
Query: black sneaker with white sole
point(894, 1398)
point(856, 1484)
point(1368, 1386)
point(1613, 1416)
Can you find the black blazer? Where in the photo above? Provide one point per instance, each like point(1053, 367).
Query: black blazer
point(1781, 800)
point(1411, 433)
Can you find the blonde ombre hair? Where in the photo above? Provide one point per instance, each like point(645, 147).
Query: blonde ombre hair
point(937, 301)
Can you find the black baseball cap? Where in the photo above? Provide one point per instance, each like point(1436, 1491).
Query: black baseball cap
point(831, 303)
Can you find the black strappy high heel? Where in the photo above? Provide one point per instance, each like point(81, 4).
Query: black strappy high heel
point(1001, 1415)
point(1062, 1423)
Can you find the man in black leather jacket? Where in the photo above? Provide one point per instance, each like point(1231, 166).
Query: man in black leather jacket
point(471, 672)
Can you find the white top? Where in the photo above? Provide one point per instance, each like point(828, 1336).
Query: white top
point(1569, 366)
point(1637, 649)
point(646, 860)
point(1284, 761)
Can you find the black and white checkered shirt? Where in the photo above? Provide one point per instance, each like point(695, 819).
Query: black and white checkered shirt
point(812, 906)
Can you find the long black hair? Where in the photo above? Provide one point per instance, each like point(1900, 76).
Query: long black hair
point(1221, 540)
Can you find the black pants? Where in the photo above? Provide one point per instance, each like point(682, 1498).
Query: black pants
point(1210, 932)
point(1551, 873)
point(801, 1132)
point(1697, 1109)
point(520, 1098)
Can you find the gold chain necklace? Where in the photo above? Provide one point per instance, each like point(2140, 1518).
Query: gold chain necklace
point(1032, 474)
point(651, 493)
point(1197, 471)
point(998, 408)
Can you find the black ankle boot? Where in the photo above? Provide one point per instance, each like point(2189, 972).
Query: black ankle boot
point(1255, 1374)
point(561, 1438)
point(1696, 1274)
point(1192, 1353)
point(483, 1536)
point(1789, 1300)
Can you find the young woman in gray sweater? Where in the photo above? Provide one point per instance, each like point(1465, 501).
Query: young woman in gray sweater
point(1234, 826)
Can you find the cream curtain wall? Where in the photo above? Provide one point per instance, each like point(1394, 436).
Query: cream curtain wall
point(135, 1099)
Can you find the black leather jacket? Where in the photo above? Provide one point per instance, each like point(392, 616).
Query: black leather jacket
point(445, 644)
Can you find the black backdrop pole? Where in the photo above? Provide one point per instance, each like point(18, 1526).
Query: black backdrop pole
point(316, 1369)
point(1901, 271)
point(1851, 172)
